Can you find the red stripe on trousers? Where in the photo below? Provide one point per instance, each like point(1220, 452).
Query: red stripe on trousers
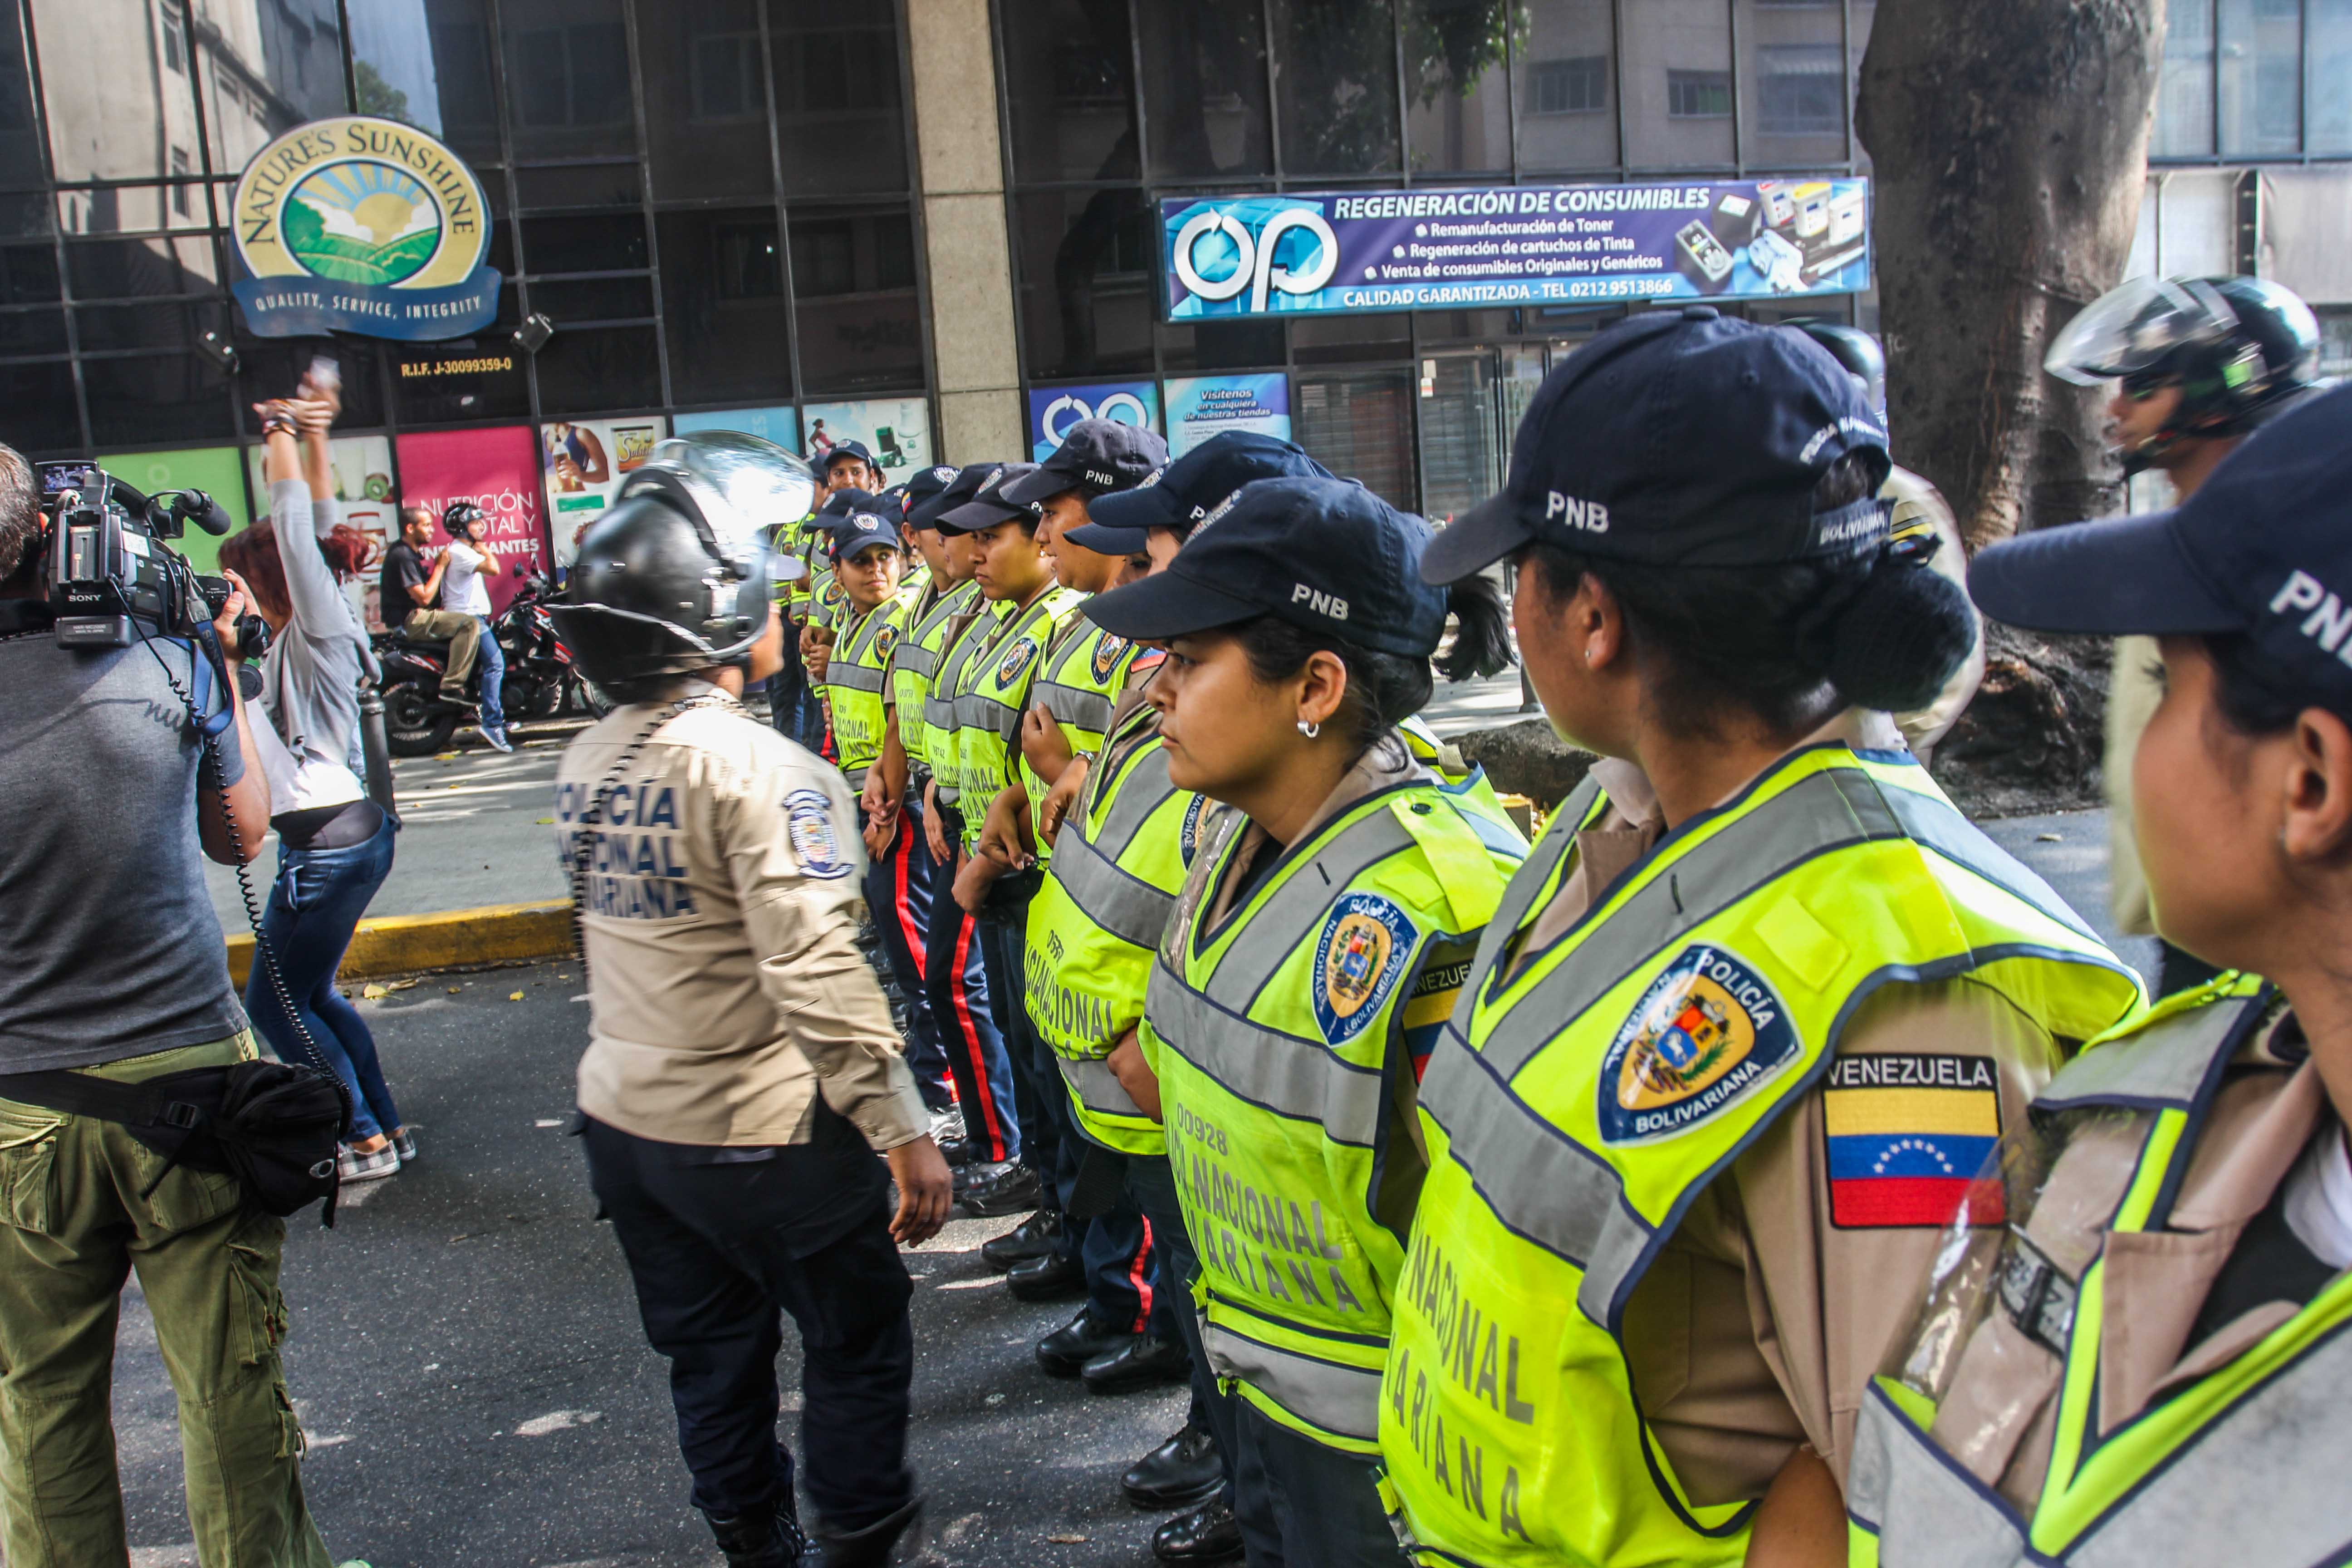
point(960, 987)
point(1139, 1273)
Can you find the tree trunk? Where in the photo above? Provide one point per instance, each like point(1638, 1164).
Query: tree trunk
point(2010, 139)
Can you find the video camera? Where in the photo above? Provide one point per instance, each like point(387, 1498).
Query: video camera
point(110, 572)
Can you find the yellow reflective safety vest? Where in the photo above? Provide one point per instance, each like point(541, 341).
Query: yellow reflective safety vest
point(991, 693)
point(2243, 1464)
point(970, 624)
point(828, 600)
point(1096, 919)
point(856, 678)
point(911, 664)
point(1079, 682)
point(1278, 1038)
point(1573, 1111)
point(802, 540)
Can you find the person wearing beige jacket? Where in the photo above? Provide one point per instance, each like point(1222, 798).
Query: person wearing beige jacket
point(742, 1072)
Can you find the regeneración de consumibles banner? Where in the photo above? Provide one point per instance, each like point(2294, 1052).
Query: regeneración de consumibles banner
point(1360, 251)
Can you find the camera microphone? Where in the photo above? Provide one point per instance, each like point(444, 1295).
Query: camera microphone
point(195, 506)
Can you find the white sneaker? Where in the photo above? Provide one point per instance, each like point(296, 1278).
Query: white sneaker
point(496, 738)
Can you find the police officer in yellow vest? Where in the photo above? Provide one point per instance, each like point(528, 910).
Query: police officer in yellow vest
point(1332, 902)
point(1753, 1012)
point(1122, 843)
point(869, 565)
point(2148, 1364)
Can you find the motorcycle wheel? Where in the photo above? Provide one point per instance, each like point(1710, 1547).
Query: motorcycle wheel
point(524, 698)
point(415, 723)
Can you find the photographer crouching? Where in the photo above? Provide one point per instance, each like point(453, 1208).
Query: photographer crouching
point(122, 747)
point(743, 1068)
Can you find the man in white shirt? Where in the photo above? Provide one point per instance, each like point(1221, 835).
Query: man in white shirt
point(468, 561)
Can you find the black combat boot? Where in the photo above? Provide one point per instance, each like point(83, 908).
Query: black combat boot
point(765, 1537)
point(895, 1538)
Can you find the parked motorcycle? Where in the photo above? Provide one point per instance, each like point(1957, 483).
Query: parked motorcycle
point(541, 681)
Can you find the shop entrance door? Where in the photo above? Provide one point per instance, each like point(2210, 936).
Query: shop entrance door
point(1461, 432)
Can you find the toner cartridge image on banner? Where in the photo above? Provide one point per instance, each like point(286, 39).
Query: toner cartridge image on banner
point(1355, 252)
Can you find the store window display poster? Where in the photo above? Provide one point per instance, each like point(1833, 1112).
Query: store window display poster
point(363, 499)
point(897, 430)
point(497, 469)
point(1202, 406)
point(212, 470)
point(1054, 409)
point(583, 463)
point(781, 426)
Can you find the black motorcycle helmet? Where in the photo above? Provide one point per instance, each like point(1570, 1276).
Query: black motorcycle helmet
point(459, 515)
point(1858, 352)
point(675, 578)
point(2241, 349)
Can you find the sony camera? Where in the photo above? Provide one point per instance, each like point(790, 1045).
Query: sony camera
point(113, 578)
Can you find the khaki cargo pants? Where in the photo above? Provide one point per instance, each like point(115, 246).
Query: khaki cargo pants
point(72, 1225)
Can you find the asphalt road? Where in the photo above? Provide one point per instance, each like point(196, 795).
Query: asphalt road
point(466, 1359)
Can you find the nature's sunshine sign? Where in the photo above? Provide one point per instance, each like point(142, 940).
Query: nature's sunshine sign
point(360, 224)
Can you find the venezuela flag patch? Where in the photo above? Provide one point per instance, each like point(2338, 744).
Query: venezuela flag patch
point(1907, 1134)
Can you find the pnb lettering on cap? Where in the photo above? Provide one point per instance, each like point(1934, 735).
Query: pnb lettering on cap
point(1097, 477)
point(1322, 604)
point(2330, 618)
point(1590, 516)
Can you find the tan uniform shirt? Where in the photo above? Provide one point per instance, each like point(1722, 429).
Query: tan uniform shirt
point(1761, 1323)
point(1919, 505)
point(722, 911)
point(2135, 689)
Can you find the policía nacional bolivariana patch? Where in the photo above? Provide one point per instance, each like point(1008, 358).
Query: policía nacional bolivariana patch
point(1359, 960)
point(1107, 649)
point(1705, 1032)
point(816, 842)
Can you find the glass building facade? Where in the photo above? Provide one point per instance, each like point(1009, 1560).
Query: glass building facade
point(708, 199)
point(720, 204)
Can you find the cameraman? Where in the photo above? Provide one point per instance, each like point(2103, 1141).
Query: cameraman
point(111, 963)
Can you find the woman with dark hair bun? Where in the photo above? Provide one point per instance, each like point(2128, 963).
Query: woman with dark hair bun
point(1751, 1015)
point(1332, 900)
point(334, 844)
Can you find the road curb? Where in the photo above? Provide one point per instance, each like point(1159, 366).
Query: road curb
point(411, 944)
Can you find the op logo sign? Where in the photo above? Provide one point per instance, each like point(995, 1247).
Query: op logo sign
point(1216, 255)
point(360, 224)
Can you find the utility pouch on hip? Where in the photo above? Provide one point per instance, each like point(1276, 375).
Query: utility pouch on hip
point(273, 1125)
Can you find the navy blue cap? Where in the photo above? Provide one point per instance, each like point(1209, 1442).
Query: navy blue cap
point(1325, 554)
point(988, 505)
point(863, 526)
point(963, 484)
point(1681, 437)
point(2264, 548)
point(841, 449)
point(1099, 455)
point(1185, 491)
point(921, 486)
point(840, 503)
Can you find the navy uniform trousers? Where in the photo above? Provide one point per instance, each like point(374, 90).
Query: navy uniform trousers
point(720, 1241)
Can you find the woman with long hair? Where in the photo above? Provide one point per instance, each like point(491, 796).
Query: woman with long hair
point(334, 844)
point(1753, 1011)
point(1334, 895)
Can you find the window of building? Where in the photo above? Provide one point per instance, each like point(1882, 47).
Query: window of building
point(2261, 90)
point(1800, 90)
point(2327, 51)
point(1457, 90)
point(2184, 89)
point(727, 84)
point(1579, 86)
point(1205, 90)
point(1337, 86)
point(2335, 339)
point(172, 28)
point(179, 193)
point(841, 119)
point(1069, 89)
point(1698, 95)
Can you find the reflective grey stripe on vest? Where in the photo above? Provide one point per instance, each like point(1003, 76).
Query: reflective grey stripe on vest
point(854, 678)
point(2262, 1485)
point(1097, 1088)
point(974, 712)
point(910, 658)
point(1116, 901)
point(857, 777)
point(2166, 1063)
point(1086, 708)
point(1287, 1074)
point(1342, 1399)
point(1540, 1181)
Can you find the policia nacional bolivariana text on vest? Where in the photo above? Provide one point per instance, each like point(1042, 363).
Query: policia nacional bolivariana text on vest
point(1573, 1110)
point(2009, 1427)
point(1278, 1036)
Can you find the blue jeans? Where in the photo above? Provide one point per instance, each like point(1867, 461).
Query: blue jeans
point(316, 901)
point(492, 663)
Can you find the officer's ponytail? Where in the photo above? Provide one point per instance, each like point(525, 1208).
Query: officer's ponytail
point(1789, 645)
point(1384, 689)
